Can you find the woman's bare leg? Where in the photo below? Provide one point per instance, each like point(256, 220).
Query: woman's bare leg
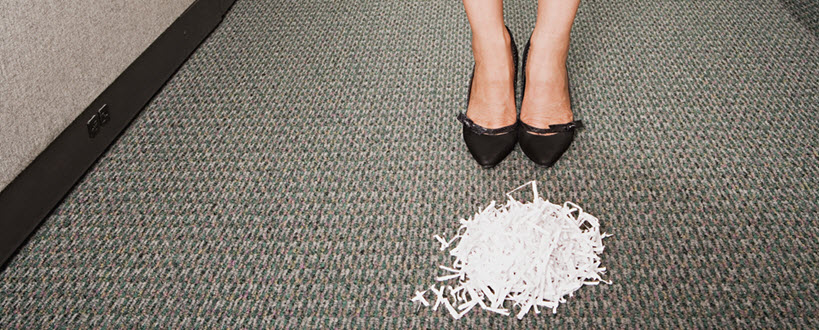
point(492, 102)
point(546, 98)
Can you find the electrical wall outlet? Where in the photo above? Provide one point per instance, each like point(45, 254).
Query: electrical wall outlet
point(104, 115)
point(98, 120)
point(93, 126)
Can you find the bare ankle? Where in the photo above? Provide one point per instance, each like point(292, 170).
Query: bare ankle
point(491, 50)
point(492, 37)
point(554, 46)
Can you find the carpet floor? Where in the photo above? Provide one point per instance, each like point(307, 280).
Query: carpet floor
point(294, 171)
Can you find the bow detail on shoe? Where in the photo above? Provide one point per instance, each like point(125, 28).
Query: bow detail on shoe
point(555, 128)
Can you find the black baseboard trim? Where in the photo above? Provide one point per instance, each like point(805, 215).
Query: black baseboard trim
point(35, 193)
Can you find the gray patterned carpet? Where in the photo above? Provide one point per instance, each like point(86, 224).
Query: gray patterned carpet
point(294, 172)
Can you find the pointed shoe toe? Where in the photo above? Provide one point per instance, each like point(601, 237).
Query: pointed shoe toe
point(489, 150)
point(488, 146)
point(546, 150)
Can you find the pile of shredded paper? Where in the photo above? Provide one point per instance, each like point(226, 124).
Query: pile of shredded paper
point(531, 254)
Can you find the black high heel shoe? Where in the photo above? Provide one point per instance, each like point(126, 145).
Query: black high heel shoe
point(544, 150)
point(489, 146)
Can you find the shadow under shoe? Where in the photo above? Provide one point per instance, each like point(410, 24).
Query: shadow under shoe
point(489, 146)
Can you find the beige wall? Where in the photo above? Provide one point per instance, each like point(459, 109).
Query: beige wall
point(58, 56)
